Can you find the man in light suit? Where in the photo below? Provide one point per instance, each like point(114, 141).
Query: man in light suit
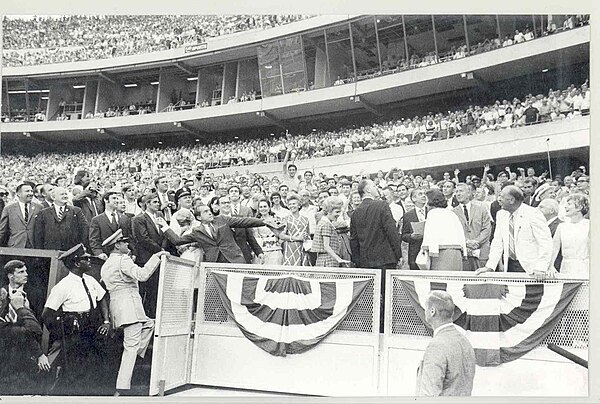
point(522, 238)
point(17, 220)
point(448, 366)
point(549, 208)
point(476, 222)
point(121, 277)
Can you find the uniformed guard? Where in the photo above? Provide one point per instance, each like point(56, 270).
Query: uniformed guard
point(71, 313)
point(121, 277)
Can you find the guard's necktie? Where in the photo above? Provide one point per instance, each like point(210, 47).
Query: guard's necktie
point(511, 238)
point(466, 212)
point(87, 292)
point(26, 212)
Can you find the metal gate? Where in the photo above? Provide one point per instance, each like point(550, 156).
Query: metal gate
point(172, 355)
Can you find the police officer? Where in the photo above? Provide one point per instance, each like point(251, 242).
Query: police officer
point(121, 277)
point(71, 313)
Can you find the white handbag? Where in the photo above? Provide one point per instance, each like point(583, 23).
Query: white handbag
point(423, 261)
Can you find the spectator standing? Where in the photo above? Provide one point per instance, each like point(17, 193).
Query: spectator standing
point(549, 208)
point(18, 218)
point(413, 216)
point(443, 237)
point(108, 222)
point(294, 234)
point(121, 277)
point(475, 218)
point(521, 239)
point(448, 365)
point(572, 238)
point(244, 238)
point(327, 242)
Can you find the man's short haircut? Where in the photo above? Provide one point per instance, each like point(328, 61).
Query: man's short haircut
point(283, 185)
point(23, 184)
point(234, 186)
point(292, 166)
point(470, 186)
point(157, 179)
point(515, 192)
point(413, 193)
point(11, 266)
point(108, 194)
point(442, 302)
point(361, 187)
point(530, 180)
point(551, 204)
point(126, 187)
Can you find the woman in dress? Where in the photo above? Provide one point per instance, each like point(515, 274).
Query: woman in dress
point(327, 242)
point(267, 238)
point(572, 238)
point(443, 237)
point(294, 234)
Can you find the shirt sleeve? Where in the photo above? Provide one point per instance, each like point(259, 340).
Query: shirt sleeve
point(57, 297)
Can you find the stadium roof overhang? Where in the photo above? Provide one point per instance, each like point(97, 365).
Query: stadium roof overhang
point(373, 95)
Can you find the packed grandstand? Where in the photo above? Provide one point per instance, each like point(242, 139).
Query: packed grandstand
point(324, 119)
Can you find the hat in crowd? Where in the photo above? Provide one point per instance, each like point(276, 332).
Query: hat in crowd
point(181, 192)
point(114, 238)
point(149, 197)
point(540, 190)
point(75, 254)
point(345, 182)
point(475, 178)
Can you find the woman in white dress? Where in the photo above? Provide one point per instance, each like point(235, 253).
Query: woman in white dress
point(572, 238)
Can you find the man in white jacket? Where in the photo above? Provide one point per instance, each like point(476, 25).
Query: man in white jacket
point(522, 238)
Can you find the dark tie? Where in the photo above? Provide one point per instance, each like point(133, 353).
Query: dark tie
point(235, 210)
point(60, 213)
point(115, 223)
point(26, 212)
point(87, 292)
point(466, 212)
point(93, 203)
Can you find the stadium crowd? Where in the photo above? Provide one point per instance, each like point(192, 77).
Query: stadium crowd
point(48, 39)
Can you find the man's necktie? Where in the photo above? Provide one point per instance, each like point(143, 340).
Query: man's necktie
point(26, 212)
point(87, 292)
point(235, 210)
point(511, 238)
point(94, 208)
point(466, 212)
point(60, 214)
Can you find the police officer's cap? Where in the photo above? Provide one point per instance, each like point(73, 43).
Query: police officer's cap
point(75, 254)
point(114, 238)
point(181, 192)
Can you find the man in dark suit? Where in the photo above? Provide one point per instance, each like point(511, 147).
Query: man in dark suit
point(528, 188)
point(549, 208)
point(60, 226)
point(149, 239)
point(418, 214)
point(243, 237)
point(165, 196)
point(448, 365)
point(89, 201)
point(107, 223)
point(216, 236)
point(46, 191)
point(20, 337)
point(448, 188)
point(17, 220)
point(374, 239)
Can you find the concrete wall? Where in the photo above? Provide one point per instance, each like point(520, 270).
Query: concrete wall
point(503, 144)
point(109, 95)
point(89, 97)
point(230, 81)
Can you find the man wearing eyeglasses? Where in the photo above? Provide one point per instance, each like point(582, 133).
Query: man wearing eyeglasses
point(583, 184)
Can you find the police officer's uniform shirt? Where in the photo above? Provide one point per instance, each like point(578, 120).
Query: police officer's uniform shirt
point(70, 294)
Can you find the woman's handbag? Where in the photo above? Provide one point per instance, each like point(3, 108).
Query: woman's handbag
point(423, 261)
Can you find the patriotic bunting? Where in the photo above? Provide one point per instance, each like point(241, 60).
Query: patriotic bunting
point(287, 314)
point(502, 321)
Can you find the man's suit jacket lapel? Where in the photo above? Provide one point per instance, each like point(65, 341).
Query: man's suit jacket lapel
point(33, 210)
